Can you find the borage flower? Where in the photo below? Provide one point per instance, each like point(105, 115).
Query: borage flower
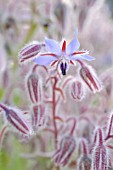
point(62, 56)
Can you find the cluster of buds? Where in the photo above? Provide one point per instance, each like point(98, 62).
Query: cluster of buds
point(34, 86)
point(67, 144)
point(60, 58)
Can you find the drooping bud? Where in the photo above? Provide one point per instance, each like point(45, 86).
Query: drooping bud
point(17, 120)
point(90, 78)
point(77, 90)
point(30, 51)
point(38, 116)
point(65, 150)
point(84, 162)
point(34, 87)
point(100, 157)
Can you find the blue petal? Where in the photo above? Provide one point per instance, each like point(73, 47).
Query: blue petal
point(82, 57)
point(52, 46)
point(73, 46)
point(44, 60)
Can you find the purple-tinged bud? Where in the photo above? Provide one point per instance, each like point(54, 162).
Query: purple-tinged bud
point(77, 90)
point(100, 157)
point(34, 87)
point(84, 162)
point(90, 78)
point(109, 128)
point(30, 51)
point(17, 120)
point(65, 150)
point(38, 116)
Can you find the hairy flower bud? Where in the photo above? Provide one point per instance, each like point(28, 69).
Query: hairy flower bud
point(65, 150)
point(84, 162)
point(90, 78)
point(100, 157)
point(30, 51)
point(77, 90)
point(17, 119)
point(34, 87)
point(38, 116)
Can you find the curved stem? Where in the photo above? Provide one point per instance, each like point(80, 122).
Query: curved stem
point(73, 125)
point(2, 133)
point(36, 66)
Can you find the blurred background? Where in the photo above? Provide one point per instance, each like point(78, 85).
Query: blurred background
point(26, 20)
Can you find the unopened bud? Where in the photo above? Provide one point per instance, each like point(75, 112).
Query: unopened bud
point(34, 87)
point(84, 162)
point(38, 116)
point(65, 150)
point(17, 119)
point(77, 90)
point(90, 78)
point(100, 157)
point(30, 51)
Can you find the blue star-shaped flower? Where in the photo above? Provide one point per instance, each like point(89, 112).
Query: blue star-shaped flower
point(64, 56)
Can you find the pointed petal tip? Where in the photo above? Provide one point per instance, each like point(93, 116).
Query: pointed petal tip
point(89, 58)
point(52, 46)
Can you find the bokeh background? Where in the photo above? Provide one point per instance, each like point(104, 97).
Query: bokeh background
point(22, 21)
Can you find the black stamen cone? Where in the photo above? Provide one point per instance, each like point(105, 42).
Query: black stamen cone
point(63, 68)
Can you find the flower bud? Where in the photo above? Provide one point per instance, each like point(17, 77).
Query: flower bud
point(84, 162)
point(38, 116)
point(65, 150)
point(100, 157)
point(17, 120)
point(77, 90)
point(90, 78)
point(30, 51)
point(34, 87)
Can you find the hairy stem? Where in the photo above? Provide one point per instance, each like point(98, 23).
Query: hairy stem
point(54, 119)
